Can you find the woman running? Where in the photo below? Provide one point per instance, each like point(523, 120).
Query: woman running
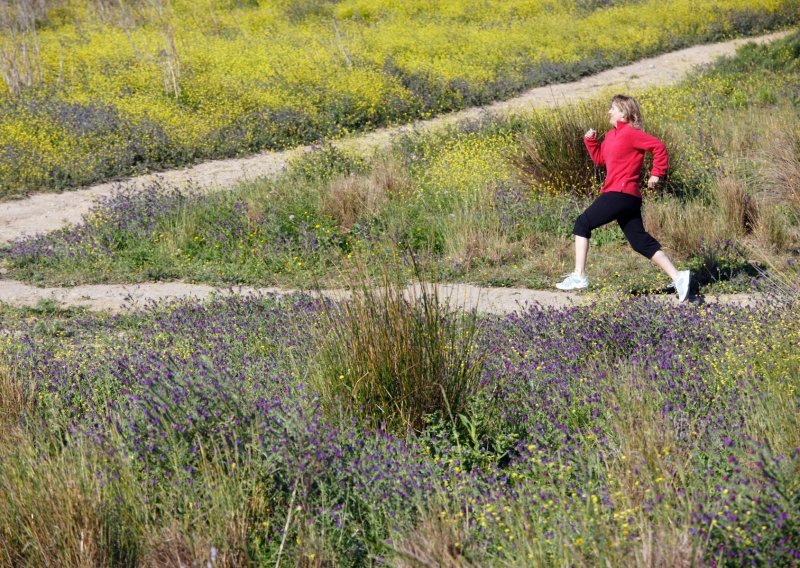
point(622, 153)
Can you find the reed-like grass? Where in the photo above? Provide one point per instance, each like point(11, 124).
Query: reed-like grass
point(396, 358)
point(553, 156)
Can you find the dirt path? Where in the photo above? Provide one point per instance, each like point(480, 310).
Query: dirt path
point(48, 211)
point(116, 297)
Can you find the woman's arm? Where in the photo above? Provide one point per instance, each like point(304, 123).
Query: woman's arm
point(643, 141)
point(595, 150)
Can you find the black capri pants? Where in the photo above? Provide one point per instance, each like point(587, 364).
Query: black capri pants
point(626, 210)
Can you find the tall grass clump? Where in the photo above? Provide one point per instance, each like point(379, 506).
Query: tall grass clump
point(552, 154)
point(737, 208)
point(685, 227)
point(396, 356)
point(56, 507)
point(16, 400)
point(773, 229)
point(781, 158)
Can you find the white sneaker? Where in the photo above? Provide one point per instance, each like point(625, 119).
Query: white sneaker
point(573, 282)
point(682, 284)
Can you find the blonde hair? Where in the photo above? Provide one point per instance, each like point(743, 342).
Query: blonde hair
point(630, 110)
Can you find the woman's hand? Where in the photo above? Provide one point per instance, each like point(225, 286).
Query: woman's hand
point(652, 182)
point(591, 133)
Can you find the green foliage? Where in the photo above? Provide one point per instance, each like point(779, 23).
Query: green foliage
point(775, 56)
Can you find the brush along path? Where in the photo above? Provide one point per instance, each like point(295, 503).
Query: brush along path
point(46, 212)
point(117, 297)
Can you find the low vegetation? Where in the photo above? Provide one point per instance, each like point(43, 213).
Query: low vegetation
point(392, 430)
point(625, 432)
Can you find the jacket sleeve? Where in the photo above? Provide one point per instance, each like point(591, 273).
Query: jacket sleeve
point(595, 150)
point(643, 141)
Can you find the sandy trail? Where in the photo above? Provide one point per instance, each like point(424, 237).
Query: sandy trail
point(118, 297)
point(49, 211)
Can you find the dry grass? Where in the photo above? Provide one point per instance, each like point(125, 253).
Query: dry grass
point(682, 227)
point(776, 417)
point(57, 509)
point(313, 548)
point(434, 543)
point(352, 198)
point(774, 232)
point(349, 199)
point(738, 212)
point(51, 511)
point(553, 157)
point(218, 533)
point(781, 162)
point(667, 546)
point(20, 58)
point(480, 241)
point(774, 226)
point(16, 400)
point(177, 546)
point(649, 461)
point(733, 137)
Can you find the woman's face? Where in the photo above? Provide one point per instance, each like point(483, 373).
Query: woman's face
point(615, 115)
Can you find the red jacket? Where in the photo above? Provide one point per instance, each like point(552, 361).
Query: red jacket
point(622, 153)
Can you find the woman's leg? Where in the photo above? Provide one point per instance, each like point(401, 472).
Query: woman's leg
point(664, 263)
point(643, 243)
point(603, 210)
point(581, 251)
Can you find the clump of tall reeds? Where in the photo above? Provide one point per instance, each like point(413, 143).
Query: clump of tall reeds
point(552, 155)
point(20, 57)
point(777, 227)
point(395, 356)
point(781, 158)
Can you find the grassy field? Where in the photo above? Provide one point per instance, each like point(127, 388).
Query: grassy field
point(491, 202)
point(97, 89)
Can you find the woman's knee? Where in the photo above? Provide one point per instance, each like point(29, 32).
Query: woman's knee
point(646, 246)
point(582, 227)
